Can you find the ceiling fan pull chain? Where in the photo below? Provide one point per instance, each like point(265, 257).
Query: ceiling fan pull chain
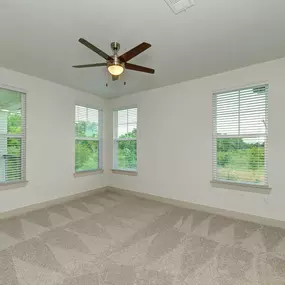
point(107, 78)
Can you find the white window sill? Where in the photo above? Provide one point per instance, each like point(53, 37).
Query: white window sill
point(13, 185)
point(125, 172)
point(87, 173)
point(261, 189)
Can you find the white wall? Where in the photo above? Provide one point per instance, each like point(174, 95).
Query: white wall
point(175, 141)
point(50, 142)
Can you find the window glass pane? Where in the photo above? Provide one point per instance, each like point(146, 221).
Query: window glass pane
point(241, 160)
point(127, 154)
point(242, 112)
point(11, 125)
point(240, 120)
point(127, 131)
point(10, 112)
point(253, 109)
point(14, 123)
point(127, 123)
point(13, 166)
point(227, 113)
point(86, 122)
point(86, 155)
point(132, 131)
point(132, 116)
point(123, 117)
point(122, 131)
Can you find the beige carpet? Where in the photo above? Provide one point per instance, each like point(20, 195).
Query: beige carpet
point(120, 239)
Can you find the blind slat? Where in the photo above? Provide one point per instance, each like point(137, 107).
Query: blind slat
point(238, 155)
point(12, 136)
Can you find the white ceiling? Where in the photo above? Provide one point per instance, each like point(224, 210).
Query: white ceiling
point(40, 37)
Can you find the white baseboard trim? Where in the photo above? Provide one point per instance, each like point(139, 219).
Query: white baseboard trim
point(34, 207)
point(212, 210)
point(183, 204)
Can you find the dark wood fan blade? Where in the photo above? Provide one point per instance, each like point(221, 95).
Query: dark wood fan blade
point(134, 52)
point(90, 65)
point(114, 77)
point(95, 49)
point(139, 68)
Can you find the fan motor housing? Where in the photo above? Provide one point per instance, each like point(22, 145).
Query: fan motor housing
point(115, 46)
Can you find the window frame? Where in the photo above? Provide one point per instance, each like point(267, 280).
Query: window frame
point(99, 140)
point(22, 137)
point(239, 185)
point(116, 140)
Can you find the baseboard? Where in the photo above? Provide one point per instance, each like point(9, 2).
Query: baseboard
point(183, 204)
point(212, 210)
point(34, 207)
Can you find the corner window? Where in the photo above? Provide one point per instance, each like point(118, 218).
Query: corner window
point(12, 136)
point(88, 139)
point(125, 139)
point(240, 136)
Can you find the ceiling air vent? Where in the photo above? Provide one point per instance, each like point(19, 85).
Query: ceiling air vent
point(178, 6)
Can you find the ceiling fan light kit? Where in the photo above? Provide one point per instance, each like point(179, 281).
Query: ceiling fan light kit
point(115, 67)
point(116, 64)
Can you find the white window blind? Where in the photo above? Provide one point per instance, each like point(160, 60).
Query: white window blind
point(88, 139)
point(125, 139)
point(12, 136)
point(240, 135)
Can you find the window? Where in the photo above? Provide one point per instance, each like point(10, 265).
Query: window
point(12, 136)
point(88, 139)
point(125, 139)
point(240, 135)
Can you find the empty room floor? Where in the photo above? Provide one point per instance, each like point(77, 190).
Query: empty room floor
point(114, 238)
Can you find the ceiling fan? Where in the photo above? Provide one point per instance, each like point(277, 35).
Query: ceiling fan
point(117, 64)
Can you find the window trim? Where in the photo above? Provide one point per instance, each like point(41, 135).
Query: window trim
point(88, 172)
point(23, 136)
point(228, 184)
point(246, 187)
point(99, 139)
point(13, 185)
point(115, 169)
point(125, 172)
